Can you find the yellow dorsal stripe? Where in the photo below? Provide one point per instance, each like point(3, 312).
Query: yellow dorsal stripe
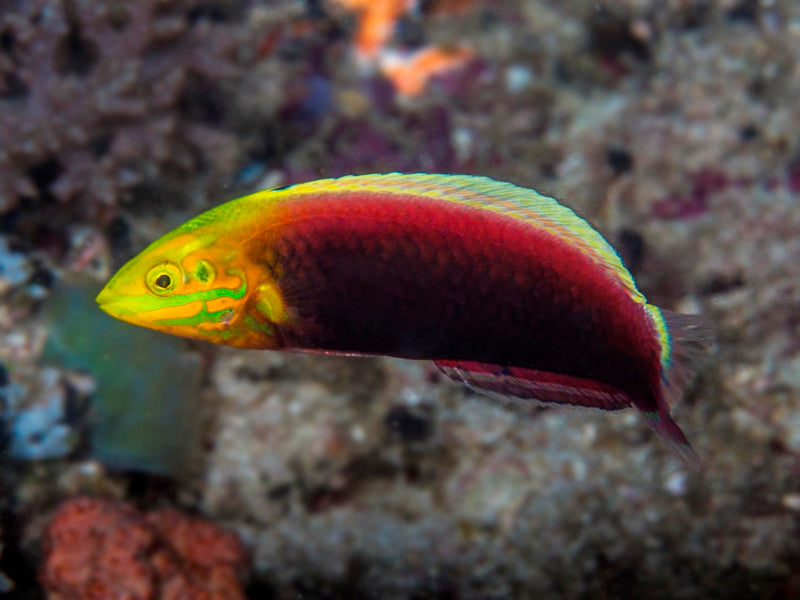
point(526, 204)
point(663, 335)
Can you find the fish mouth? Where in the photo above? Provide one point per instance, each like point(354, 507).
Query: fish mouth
point(111, 304)
point(104, 298)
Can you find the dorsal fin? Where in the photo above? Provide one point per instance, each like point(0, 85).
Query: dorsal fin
point(481, 192)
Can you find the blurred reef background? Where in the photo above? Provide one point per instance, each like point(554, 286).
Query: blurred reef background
point(205, 472)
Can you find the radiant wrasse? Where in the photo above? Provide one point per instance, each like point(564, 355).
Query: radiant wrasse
point(505, 289)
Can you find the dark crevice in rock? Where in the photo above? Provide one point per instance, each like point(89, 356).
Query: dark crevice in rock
point(612, 36)
point(201, 101)
point(13, 88)
point(75, 55)
point(44, 173)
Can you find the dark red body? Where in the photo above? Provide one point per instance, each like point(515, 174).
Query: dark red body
point(429, 279)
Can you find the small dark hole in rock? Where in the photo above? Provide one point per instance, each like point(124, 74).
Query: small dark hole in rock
point(13, 87)
point(200, 101)
point(16, 246)
point(37, 437)
point(9, 221)
point(211, 12)
point(315, 9)
point(75, 55)
point(43, 277)
point(45, 173)
point(758, 88)
point(165, 9)
point(261, 589)
point(279, 492)
point(7, 41)
point(119, 235)
point(118, 17)
point(100, 145)
point(746, 11)
point(619, 160)
point(612, 36)
point(694, 16)
point(15, 560)
point(488, 17)
point(407, 425)
point(722, 283)
point(631, 248)
point(76, 406)
point(748, 133)
point(50, 240)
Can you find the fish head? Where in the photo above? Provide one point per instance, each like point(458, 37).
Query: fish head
point(186, 283)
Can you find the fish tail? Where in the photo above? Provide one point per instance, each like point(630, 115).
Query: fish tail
point(686, 342)
point(673, 437)
point(689, 340)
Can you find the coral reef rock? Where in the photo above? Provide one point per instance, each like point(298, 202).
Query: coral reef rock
point(98, 548)
point(97, 97)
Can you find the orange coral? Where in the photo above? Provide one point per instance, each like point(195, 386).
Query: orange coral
point(105, 549)
point(376, 22)
point(410, 74)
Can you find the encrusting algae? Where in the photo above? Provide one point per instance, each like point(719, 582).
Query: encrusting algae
point(506, 290)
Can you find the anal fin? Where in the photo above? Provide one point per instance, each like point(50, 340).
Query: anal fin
point(530, 384)
point(554, 388)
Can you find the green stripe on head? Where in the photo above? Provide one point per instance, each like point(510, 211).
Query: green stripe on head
point(147, 303)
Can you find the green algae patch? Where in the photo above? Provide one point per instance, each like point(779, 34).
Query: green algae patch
point(143, 412)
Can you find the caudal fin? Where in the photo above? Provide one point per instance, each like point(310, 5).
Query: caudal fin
point(691, 339)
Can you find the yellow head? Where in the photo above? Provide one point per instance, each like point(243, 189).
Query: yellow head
point(180, 285)
point(199, 281)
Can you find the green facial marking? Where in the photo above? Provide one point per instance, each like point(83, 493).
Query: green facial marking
point(148, 303)
point(204, 271)
point(203, 315)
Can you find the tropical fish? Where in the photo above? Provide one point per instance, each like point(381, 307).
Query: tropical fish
point(505, 289)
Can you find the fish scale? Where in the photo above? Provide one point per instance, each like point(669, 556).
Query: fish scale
point(400, 285)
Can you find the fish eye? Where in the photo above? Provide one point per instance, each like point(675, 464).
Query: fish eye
point(163, 279)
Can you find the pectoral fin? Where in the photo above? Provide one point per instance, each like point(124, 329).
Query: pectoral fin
point(269, 302)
